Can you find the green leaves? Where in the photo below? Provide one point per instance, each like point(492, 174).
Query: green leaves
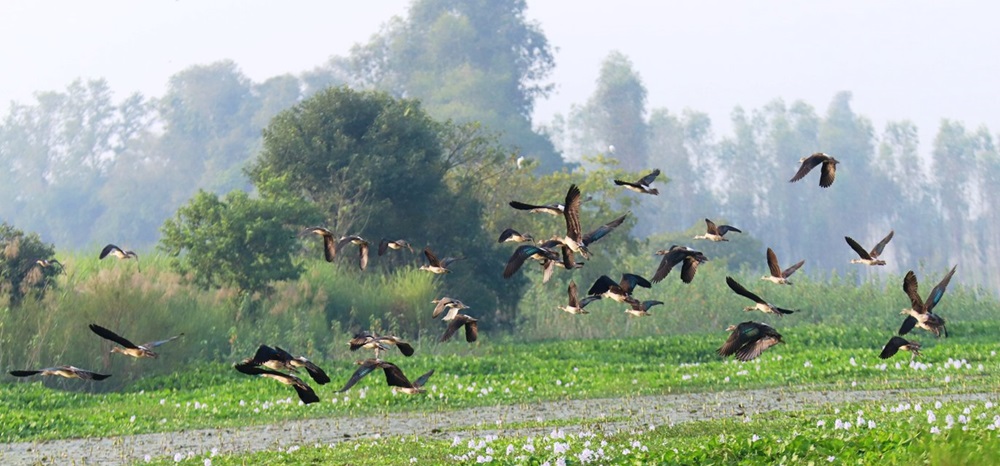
point(236, 241)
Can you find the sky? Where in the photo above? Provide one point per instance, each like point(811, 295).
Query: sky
point(918, 60)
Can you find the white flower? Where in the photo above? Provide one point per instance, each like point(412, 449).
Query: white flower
point(871, 424)
point(207, 462)
point(178, 457)
point(931, 418)
point(754, 438)
point(935, 430)
point(560, 448)
point(626, 451)
point(132, 419)
point(413, 460)
point(831, 458)
point(820, 423)
point(853, 362)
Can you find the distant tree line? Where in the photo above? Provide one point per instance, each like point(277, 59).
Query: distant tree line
point(82, 170)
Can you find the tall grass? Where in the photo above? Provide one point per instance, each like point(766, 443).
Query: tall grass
point(317, 314)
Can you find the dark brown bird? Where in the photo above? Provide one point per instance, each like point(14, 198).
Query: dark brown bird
point(458, 321)
point(393, 374)
point(642, 185)
point(808, 163)
point(676, 255)
point(551, 209)
point(716, 233)
point(512, 235)
point(127, 347)
point(69, 372)
point(453, 306)
point(329, 243)
point(385, 245)
point(279, 359)
point(899, 343)
point(748, 340)
point(869, 257)
point(305, 392)
point(574, 233)
point(920, 313)
point(542, 252)
point(436, 266)
point(621, 291)
point(576, 305)
point(760, 304)
point(777, 275)
point(362, 245)
point(640, 308)
point(117, 252)
point(379, 343)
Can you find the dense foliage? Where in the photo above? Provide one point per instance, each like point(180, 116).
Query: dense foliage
point(236, 241)
point(20, 273)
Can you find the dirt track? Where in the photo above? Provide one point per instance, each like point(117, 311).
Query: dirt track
point(640, 412)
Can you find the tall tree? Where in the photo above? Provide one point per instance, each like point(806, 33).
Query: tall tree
point(58, 153)
point(478, 60)
point(357, 156)
point(615, 115)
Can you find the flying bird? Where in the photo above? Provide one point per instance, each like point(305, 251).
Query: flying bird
point(362, 245)
point(280, 360)
point(69, 372)
point(676, 255)
point(897, 343)
point(716, 233)
point(642, 186)
point(574, 233)
point(748, 340)
point(458, 321)
point(393, 375)
point(640, 308)
point(603, 230)
point(808, 163)
point(329, 243)
point(576, 305)
point(541, 252)
point(621, 291)
point(127, 347)
point(117, 252)
point(436, 266)
point(453, 306)
point(777, 275)
point(760, 304)
point(46, 263)
point(869, 257)
point(551, 209)
point(385, 245)
point(305, 392)
point(568, 262)
point(512, 235)
point(379, 343)
point(920, 314)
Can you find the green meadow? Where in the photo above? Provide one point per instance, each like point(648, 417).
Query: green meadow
point(832, 343)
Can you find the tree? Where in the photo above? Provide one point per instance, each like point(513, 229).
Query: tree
point(367, 161)
point(615, 115)
point(20, 275)
point(467, 61)
point(237, 241)
point(56, 154)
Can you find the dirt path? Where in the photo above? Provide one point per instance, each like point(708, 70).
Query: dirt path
point(640, 412)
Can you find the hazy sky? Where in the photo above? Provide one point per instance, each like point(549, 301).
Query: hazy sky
point(918, 60)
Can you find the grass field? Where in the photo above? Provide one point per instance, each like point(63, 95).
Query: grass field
point(554, 361)
point(508, 373)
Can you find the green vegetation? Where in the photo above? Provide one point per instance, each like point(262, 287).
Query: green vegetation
point(497, 373)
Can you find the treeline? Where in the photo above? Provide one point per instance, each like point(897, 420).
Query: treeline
point(82, 169)
point(942, 207)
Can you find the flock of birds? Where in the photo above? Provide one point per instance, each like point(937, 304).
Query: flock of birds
point(746, 340)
